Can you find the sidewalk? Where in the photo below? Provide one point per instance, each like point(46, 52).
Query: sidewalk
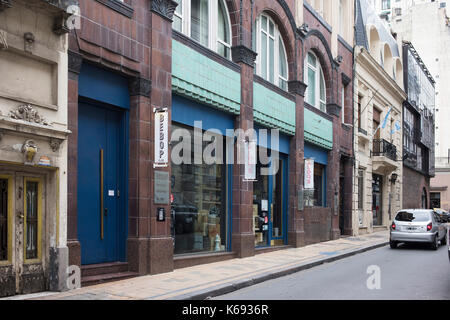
point(203, 281)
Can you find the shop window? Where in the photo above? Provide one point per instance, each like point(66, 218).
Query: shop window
point(315, 94)
point(205, 21)
point(4, 219)
point(199, 207)
point(271, 62)
point(319, 185)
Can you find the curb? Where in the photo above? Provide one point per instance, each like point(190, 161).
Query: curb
point(208, 293)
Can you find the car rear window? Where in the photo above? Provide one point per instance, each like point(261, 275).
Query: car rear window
point(416, 216)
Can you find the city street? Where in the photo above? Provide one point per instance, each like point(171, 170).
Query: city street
point(410, 272)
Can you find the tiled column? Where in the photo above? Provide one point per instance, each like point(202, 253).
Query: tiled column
point(296, 232)
point(243, 239)
point(74, 64)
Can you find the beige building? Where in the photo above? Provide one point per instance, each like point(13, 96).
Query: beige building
point(33, 148)
point(378, 97)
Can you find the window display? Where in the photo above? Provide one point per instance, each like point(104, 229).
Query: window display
point(199, 205)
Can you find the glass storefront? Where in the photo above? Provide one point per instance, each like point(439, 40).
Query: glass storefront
point(199, 207)
point(269, 204)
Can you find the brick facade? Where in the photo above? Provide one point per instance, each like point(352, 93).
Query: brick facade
point(137, 43)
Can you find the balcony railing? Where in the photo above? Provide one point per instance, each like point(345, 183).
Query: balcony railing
point(384, 148)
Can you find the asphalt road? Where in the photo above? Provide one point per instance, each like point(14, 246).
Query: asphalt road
point(410, 272)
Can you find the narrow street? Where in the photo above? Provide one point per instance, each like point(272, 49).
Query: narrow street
point(411, 272)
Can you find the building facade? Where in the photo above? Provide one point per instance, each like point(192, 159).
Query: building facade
point(418, 130)
point(156, 86)
point(33, 146)
point(378, 99)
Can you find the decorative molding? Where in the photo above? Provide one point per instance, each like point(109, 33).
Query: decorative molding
point(318, 34)
point(297, 87)
point(165, 8)
point(60, 23)
point(345, 79)
point(243, 54)
point(55, 144)
point(27, 113)
point(75, 60)
point(334, 109)
point(303, 30)
point(5, 4)
point(29, 149)
point(140, 87)
point(29, 40)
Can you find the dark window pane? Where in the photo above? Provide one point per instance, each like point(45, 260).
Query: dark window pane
point(32, 220)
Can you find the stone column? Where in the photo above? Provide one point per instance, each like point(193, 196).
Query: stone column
point(333, 171)
point(74, 65)
point(296, 232)
point(348, 196)
point(243, 239)
point(160, 245)
point(139, 175)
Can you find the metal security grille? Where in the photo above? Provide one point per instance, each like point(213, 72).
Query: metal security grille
point(3, 219)
point(32, 220)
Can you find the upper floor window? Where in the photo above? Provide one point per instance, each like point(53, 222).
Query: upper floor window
point(271, 63)
point(205, 21)
point(315, 94)
point(385, 4)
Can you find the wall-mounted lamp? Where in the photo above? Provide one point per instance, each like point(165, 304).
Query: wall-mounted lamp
point(394, 177)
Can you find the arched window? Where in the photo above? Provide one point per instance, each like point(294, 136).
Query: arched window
point(205, 21)
point(315, 94)
point(271, 62)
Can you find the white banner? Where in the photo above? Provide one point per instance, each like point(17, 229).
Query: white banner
point(309, 173)
point(161, 138)
point(250, 160)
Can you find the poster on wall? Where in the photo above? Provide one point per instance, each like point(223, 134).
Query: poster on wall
point(161, 137)
point(250, 160)
point(309, 174)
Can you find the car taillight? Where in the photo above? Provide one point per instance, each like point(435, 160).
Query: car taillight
point(393, 226)
point(429, 226)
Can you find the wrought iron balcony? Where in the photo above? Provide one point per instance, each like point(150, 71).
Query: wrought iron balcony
point(384, 148)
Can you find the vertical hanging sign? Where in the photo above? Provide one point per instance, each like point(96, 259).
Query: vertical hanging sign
point(309, 174)
point(161, 137)
point(250, 160)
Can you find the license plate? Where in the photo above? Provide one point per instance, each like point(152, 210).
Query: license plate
point(410, 229)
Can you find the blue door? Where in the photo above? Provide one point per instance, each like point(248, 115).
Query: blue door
point(100, 167)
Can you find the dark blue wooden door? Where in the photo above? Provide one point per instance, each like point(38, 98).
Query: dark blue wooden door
point(99, 167)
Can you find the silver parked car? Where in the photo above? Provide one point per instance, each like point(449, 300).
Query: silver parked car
point(418, 225)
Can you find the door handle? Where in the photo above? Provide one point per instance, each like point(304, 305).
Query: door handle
point(101, 195)
point(106, 212)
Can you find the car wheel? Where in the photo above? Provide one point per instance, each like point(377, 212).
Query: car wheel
point(444, 240)
point(435, 243)
point(393, 244)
